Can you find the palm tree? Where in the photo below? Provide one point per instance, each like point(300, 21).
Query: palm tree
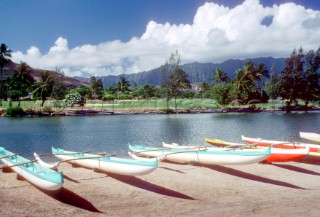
point(260, 73)
point(22, 78)
point(5, 54)
point(122, 86)
point(248, 72)
point(220, 76)
point(248, 79)
point(244, 82)
point(96, 88)
point(43, 87)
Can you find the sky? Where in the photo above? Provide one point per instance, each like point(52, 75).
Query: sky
point(112, 37)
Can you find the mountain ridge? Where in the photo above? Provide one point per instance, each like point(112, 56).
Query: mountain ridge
point(197, 72)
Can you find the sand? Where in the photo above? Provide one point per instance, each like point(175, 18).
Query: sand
point(283, 189)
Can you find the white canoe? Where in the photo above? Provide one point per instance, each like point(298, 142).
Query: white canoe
point(203, 156)
point(277, 154)
point(107, 164)
point(36, 174)
point(315, 137)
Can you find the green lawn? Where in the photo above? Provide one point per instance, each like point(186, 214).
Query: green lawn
point(156, 104)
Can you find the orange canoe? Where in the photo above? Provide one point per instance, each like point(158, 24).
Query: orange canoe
point(313, 148)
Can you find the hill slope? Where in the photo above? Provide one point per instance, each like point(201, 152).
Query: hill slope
point(70, 82)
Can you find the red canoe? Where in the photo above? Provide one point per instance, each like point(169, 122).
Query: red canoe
point(282, 144)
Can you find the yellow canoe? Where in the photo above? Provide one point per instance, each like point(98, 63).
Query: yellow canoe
point(218, 142)
point(317, 154)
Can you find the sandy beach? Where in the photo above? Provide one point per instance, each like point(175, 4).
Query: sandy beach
point(283, 189)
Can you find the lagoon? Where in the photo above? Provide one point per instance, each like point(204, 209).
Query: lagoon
point(112, 133)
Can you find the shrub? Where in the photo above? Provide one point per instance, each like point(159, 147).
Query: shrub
point(108, 97)
point(125, 96)
point(74, 98)
point(15, 111)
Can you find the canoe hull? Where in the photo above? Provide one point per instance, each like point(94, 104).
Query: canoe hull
point(34, 173)
point(277, 154)
point(128, 168)
point(287, 155)
point(203, 157)
point(315, 137)
point(281, 144)
point(36, 181)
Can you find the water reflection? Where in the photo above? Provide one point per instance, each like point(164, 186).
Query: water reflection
point(113, 133)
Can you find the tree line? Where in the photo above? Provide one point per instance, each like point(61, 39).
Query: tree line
point(298, 80)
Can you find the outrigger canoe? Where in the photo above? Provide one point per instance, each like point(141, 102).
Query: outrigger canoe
point(107, 163)
point(315, 137)
point(313, 148)
point(203, 155)
point(31, 171)
point(277, 154)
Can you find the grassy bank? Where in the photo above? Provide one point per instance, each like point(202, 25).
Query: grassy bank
point(34, 107)
point(133, 104)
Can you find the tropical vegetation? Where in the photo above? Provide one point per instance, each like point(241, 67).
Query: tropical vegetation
point(297, 82)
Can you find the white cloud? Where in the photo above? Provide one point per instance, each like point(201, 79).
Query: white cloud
point(216, 34)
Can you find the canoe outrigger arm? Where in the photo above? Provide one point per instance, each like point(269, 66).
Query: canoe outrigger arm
point(19, 164)
point(9, 155)
point(134, 156)
point(53, 166)
point(164, 156)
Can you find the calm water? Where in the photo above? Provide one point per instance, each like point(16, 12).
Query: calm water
point(113, 133)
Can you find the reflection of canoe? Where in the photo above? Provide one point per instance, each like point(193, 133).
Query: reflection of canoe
point(216, 156)
point(315, 137)
point(277, 154)
point(107, 163)
point(36, 174)
point(217, 142)
point(282, 144)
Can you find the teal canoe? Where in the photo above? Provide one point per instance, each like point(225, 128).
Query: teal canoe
point(36, 174)
point(205, 156)
point(107, 163)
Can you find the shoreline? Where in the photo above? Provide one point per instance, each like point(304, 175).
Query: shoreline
point(135, 111)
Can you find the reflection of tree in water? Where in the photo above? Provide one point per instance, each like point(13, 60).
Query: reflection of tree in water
point(175, 128)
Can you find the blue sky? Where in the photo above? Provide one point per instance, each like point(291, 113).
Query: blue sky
point(51, 33)
point(86, 21)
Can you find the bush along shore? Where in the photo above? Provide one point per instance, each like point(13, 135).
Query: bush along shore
point(47, 111)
